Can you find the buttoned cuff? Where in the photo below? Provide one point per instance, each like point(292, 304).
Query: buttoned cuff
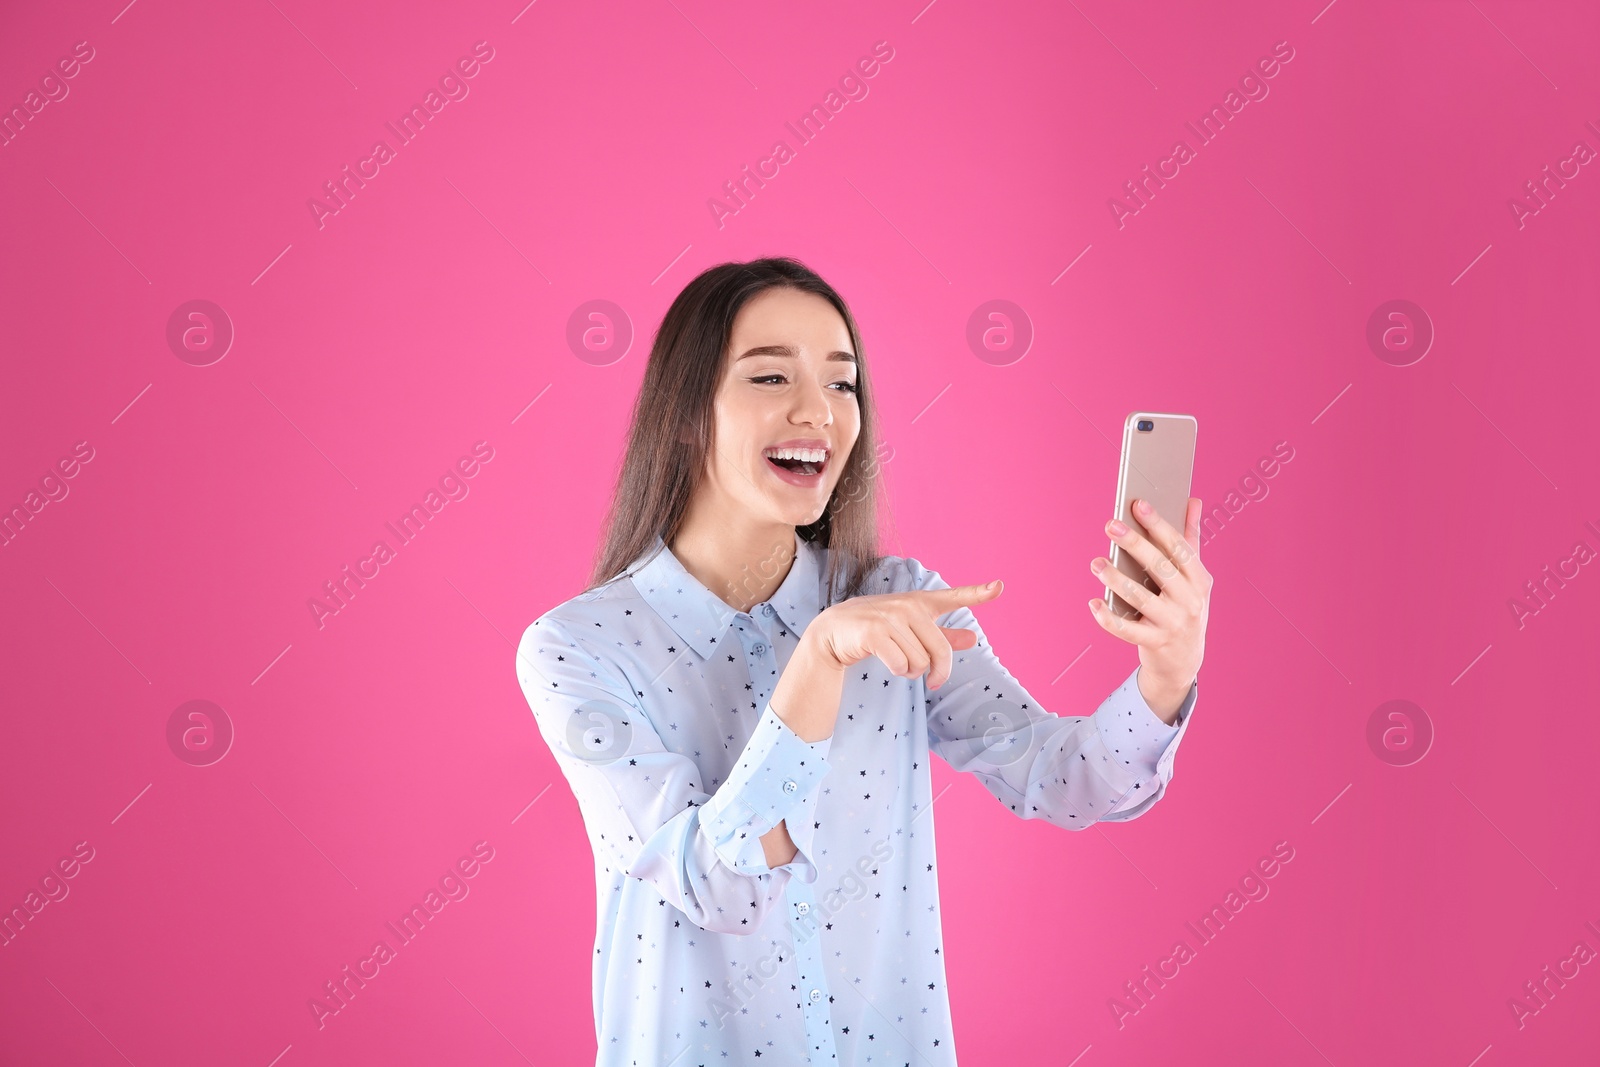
point(1134, 733)
point(775, 779)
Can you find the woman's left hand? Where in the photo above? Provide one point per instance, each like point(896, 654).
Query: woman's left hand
point(1171, 633)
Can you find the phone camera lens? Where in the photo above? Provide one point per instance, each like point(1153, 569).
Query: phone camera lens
point(1145, 425)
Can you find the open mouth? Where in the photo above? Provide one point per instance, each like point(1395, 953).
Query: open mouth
point(801, 463)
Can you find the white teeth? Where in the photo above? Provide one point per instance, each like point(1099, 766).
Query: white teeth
point(807, 455)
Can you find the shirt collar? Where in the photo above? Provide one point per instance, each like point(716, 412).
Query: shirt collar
point(700, 617)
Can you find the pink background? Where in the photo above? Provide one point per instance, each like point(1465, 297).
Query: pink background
point(374, 752)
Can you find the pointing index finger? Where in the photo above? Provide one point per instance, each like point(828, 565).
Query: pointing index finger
point(962, 595)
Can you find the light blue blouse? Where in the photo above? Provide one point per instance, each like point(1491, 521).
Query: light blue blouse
point(652, 694)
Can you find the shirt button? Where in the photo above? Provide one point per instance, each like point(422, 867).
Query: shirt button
point(790, 786)
point(758, 649)
point(766, 609)
point(816, 996)
point(803, 908)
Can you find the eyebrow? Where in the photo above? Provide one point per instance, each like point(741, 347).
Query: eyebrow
point(789, 351)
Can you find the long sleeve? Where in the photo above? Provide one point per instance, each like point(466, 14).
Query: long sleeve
point(1072, 771)
point(643, 805)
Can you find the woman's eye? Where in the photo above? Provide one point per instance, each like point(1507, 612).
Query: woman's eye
point(849, 387)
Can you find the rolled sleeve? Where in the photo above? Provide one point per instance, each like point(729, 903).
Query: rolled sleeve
point(643, 806)
point(802, 831)
point(776, 779)
point(1142, 745)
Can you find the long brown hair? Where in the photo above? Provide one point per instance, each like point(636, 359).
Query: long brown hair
point(663, 464)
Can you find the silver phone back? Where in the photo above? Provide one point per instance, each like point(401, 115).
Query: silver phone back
point(1158, 466)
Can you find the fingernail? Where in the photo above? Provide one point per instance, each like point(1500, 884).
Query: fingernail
point(994, 584)
point(1116, 527)
point(1143, 506)
point(1097, 565)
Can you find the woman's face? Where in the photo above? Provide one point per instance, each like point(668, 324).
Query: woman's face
point(789, 381)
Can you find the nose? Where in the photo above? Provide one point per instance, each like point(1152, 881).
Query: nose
point(811, 405)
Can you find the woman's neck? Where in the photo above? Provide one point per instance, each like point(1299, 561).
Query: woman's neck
point(743, 564)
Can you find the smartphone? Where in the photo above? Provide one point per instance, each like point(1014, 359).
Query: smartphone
point(1158, 466)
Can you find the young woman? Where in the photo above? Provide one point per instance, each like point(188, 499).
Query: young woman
point(745, 699)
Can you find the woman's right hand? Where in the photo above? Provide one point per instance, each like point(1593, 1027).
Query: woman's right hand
point(899, 629)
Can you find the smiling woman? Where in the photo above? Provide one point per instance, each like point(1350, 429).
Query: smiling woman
point(747, 698)
point(750, 358)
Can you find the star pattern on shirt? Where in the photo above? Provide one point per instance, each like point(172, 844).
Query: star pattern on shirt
point(692, 919)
